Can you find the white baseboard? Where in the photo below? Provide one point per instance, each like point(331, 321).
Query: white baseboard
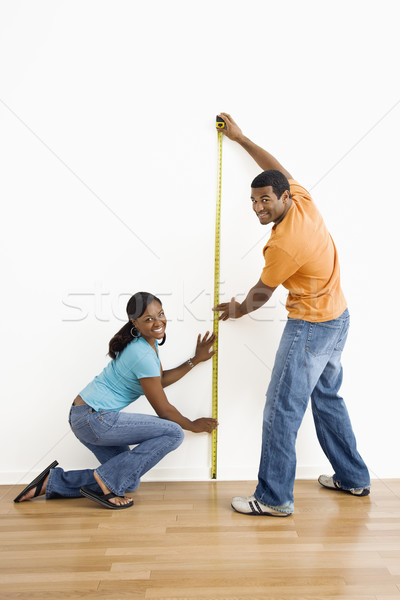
point(180, 474)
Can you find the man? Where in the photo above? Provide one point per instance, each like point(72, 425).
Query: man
point(301, 256)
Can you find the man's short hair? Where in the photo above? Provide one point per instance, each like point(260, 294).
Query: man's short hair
point(275, 179)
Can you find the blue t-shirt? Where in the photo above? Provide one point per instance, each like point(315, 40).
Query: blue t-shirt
point(118, 384)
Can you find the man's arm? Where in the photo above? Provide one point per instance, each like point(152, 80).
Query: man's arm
point(257, 297)
point(264, 159)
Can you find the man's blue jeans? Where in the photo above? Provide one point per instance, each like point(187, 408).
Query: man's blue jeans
point(108, 434)
point(308, 363)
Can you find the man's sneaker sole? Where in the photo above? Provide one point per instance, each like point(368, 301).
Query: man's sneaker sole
point(329, 483)
point(262, 514)
point(257, 511)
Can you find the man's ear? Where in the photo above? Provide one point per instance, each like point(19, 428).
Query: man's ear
point(286, 196)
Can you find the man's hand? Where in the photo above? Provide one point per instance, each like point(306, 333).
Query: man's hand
point(257, 297)
point(231, 129)
point(264, 159)
point(229, 310)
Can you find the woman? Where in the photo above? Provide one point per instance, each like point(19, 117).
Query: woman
point(97, 422)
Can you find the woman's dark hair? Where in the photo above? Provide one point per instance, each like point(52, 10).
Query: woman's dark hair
point(275, 179)
point(135, 308)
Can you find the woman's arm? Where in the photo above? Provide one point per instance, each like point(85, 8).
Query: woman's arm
point(155, 394)
point(203, 352)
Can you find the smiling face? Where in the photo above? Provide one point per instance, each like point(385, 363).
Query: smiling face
point(151, 325)
point(267, 206)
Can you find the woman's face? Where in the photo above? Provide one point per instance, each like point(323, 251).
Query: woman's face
point(151, 325)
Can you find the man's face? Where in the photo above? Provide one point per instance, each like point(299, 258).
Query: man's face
point(267, 206)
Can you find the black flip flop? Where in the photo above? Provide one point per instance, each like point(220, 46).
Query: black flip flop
point(37, 482)
point(103, 499)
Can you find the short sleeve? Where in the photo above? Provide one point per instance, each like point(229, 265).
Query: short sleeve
point(279, 266)
point(147, 367)
point(143, 361)
point(298, 192)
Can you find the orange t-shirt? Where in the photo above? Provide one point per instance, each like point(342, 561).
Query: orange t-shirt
point(301, 255)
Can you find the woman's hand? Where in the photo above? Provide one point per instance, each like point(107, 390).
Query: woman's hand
point(204, 349)
point(204, 425)
point(204, 352)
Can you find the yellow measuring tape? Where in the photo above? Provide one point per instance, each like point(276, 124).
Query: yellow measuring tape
point(220, 125)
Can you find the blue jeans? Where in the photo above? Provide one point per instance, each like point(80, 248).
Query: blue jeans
point(108, 434)
point(308, 363)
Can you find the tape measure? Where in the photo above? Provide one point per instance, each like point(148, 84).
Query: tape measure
point(220, 124)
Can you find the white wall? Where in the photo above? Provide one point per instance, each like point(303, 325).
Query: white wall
point(108, 157)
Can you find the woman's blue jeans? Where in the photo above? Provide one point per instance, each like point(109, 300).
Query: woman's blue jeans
point(108, 434)
point(308, 363)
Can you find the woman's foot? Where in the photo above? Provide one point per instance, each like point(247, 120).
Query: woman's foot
point(117, 500)
point(33, 492)
point(37, 487)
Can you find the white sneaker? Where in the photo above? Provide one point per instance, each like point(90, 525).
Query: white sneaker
point(328, 482)
point(251, 506)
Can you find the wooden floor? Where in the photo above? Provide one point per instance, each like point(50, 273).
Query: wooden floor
point(182, 540)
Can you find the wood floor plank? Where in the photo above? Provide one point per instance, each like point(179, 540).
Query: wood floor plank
point(263, 592)
point(71, 576)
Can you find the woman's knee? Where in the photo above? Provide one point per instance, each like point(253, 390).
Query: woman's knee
point(176, 432)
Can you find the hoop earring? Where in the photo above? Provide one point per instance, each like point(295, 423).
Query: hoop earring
point(137, 333)
point(163, 340)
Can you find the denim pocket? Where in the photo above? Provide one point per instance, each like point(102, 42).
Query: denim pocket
point(79, 416)
point(322, 337)
point(102, 420)
point(343, 336)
